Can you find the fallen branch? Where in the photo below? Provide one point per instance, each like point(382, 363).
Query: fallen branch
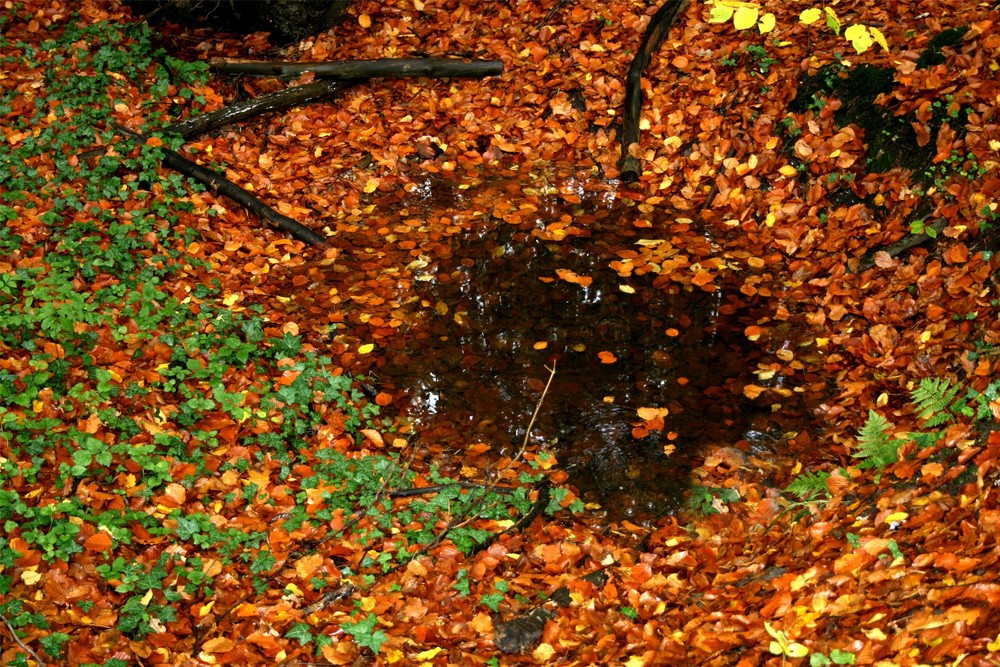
point(366, 69)
point(282, 99)
point(223, 186)
point(438, 488)
point(13, 633)
point(902, 245)
point(659, 27)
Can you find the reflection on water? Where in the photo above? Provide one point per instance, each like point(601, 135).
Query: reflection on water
point(495, 314)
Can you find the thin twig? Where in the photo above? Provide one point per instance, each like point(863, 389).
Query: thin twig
point(538, 408)
point(13, 633)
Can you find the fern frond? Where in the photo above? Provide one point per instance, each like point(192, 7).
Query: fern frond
point(875, 447)
point(808, 485)
point(933, 399)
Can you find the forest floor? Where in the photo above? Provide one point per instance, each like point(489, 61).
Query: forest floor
point(204, 458)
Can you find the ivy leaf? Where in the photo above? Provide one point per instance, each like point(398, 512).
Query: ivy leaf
point(301, 632)
point(365, 634)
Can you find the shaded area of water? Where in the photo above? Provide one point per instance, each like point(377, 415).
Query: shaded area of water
point(473, 367)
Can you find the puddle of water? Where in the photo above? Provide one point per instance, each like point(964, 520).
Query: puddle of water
point(472, 366)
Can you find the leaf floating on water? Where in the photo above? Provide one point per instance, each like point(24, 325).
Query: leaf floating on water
point(576, 279)
point(649, 414)
point(607, 357)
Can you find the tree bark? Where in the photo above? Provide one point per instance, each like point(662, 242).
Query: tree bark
point(659, 27)
point(366, 69)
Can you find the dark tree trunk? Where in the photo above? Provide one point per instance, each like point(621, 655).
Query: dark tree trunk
point(287, 20)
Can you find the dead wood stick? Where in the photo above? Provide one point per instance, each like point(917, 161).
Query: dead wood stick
point(896, 249)
point(658, 28)
point(223, 186)
point(13, 633)
point(366, 69)
point(282, 99)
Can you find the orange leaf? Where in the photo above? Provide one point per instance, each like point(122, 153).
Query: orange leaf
point(307, 565)
point(154, 142)
point(570, 277)
point(175, 493)
point(218, 645)
point(702, 278)
point(482, 623)
point(648, 414)
point(373, 437)
point(287, 377)
point(607, 357)
point(98, 542)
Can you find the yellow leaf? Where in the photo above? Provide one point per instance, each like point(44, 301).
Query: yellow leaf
point(635, 661)
point(766, 23)
point(720, 13)
point(879, 38)
point(745, 17)
point(365, 21)
point(429, 653)
point(206, 609)
point(788, 171)
point(371, 185)
point(30, 575)
point(543, 652)
point(832, 22)
point(875, 635)
point(810, 16)
point(367, 348)
point(994, 645)
point(896, 516)
point(147, 598)
point(231, 299)
point(796, 650)
point(628, 289)
point(859, 37)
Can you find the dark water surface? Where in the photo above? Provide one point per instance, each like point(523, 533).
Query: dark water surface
point(473, 364)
